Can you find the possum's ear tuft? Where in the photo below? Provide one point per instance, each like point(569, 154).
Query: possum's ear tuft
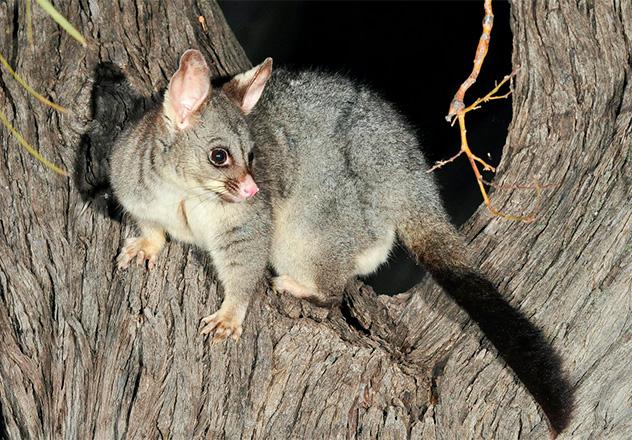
point(246, 88)
point(188, 89)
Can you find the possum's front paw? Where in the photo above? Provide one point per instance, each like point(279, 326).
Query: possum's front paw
point(140, 248)
point(224, 323)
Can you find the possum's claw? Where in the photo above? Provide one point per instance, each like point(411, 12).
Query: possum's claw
point(140, 249)
point(222, 324)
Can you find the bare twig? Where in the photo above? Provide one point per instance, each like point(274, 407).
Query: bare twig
point(457, 104)
point(458, 110)
point(438, 164)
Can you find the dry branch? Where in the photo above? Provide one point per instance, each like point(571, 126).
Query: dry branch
point(458, 110)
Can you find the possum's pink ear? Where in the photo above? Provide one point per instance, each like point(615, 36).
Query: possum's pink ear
point(246, 88)
point(188, 88)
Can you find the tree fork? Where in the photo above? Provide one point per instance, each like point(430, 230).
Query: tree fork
point(92, 353)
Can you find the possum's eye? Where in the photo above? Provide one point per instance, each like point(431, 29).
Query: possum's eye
point(219, 157)
point(251, 157)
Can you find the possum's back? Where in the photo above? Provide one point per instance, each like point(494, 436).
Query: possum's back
point(329, 132)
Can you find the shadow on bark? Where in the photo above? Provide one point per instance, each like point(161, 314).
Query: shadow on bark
point(114, 104)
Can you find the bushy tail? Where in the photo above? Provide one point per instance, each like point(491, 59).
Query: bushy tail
point(523, 347)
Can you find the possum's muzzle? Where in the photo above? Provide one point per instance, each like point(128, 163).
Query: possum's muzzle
point(240, 189)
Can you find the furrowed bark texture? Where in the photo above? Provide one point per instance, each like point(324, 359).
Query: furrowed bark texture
point(89, 352)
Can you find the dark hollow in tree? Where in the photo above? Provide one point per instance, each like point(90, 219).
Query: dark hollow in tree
point(91, 353)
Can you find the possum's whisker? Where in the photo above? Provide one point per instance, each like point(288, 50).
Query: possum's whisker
point(200, 202)
point(210, 194)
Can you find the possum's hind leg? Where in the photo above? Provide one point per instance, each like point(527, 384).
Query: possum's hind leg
point(285, 283)
point(325, 294)
point(321, 282)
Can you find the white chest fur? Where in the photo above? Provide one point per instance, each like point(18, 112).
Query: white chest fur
point(193, 218)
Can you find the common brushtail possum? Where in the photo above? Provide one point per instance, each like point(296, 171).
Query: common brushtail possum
point(317, 176)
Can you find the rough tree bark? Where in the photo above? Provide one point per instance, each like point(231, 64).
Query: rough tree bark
point(88, 352)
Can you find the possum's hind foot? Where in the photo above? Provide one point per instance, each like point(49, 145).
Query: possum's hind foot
point(285, 283)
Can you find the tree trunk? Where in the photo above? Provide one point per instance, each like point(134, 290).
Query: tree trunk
point(89, 352)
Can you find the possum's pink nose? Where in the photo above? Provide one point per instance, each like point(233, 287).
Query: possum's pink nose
point(247, 187)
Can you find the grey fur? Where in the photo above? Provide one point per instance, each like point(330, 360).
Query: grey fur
point(345, 167)
point(163, 178)
point(346, 176)
point(342, 177)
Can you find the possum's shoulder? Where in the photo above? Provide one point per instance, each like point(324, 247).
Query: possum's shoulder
point(313, 86)
point(335, 98)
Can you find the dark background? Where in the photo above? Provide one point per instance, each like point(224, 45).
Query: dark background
point(416, 54)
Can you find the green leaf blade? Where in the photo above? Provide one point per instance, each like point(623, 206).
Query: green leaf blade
point(61, 20)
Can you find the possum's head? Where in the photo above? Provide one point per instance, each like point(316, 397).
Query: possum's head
point(213, 148)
